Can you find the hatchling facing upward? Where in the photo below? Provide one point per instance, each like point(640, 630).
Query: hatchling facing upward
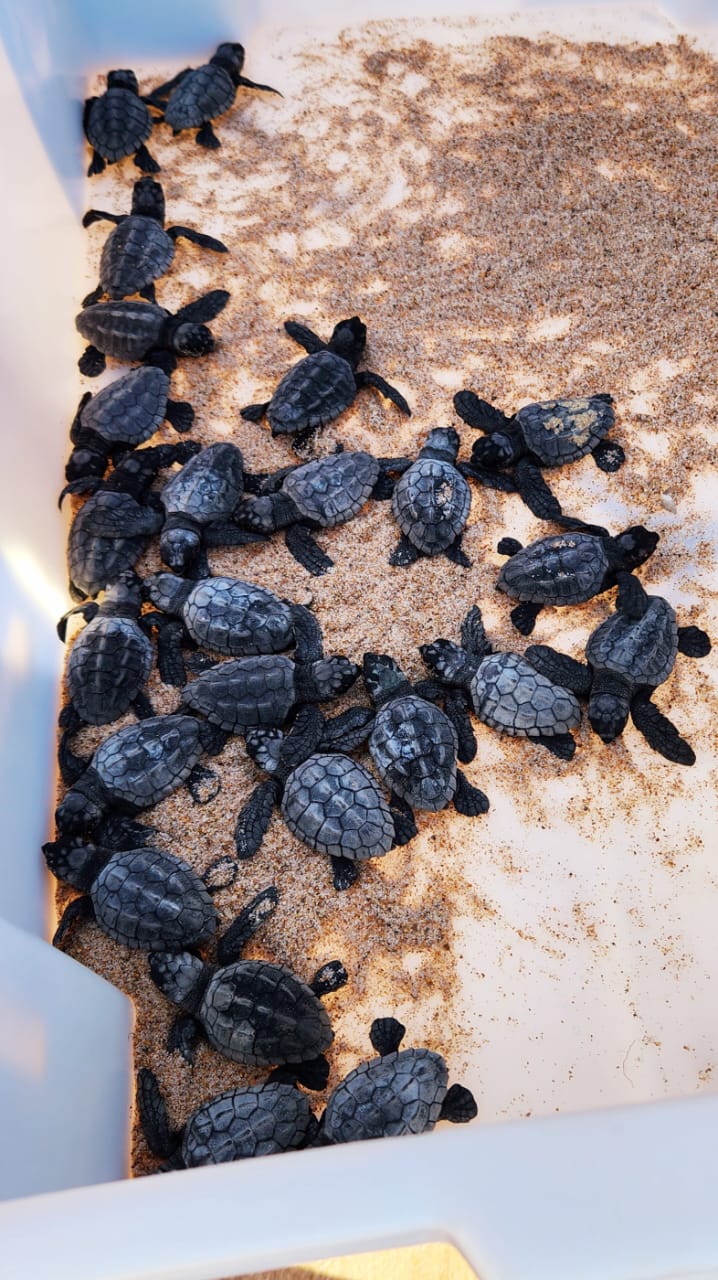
point(550, 433)
point(401, 1091)
point(116, 420)
point(250, 1010)
point(322, 385)
point(629, 656)
point(318, 495)
point(569, 568)
point(196, 96)
point(118, 124)
point(431, 503)
point(259, 1120)
point(202, 494)
point(414, 745)
point(140, 250)
point(504, 690)
point(128, 330)
point(145, 898)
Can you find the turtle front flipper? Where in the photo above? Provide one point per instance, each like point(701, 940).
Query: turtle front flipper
point(693, 642)
point(252, 84)
point(198, 238)
point(479, 414)
point(524, 616)
point(203, 784)
point(404, 821)
point(306, 338)
point(534, 491)
point(404, 553)
point(254, 412)
point(179, 414)
point(456, 554)
point(162, 92)
point(160, 358)
point(171, 635)
point(509, 546)
point(330, 977)
point(469, 801)
point(560, 669)
point(484, 475)
point(251, 918)
point(388, 468)
point(459, 1105)
point(456, 707)
point(204, 309)
point(92, 362)
point(90, 299)
point(632, 600)
point(79, 909)
point(306, 551)
point(608, 455)
point(313, 1074)
point(386, 1035)
point(347, 731)
point(101, 215)
point(184, 1036)
point(154, 1122)
point(253, 821)
point(366, 378)
point(659, 731)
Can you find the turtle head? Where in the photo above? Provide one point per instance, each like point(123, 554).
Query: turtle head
point(148, 199)
point(179, 546)
point(608, 713)
point(496, 450)
point(383, 677)
point(181, 977)
point(442, 444)
point(167, 591)
point(349, 340)
point(86, 462)
point(230, 55)
point(330, 677)
point(124, 597)
point(192, 340)
point(123, 80)
point(636, 544)
point(257, 513)
point(76, 863)
point(448, 661)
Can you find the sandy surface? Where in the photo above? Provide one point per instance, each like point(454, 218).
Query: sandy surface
point(525, 219)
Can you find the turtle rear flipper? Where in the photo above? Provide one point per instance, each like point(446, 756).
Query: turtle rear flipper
point(524, 616)
point(608, 455)
point(693, 642)
point(92, 362)
point(204, 309)
point(254, 412)
point(344, 871)
point(306, 551)
point(561, 745)
point(77, 910)
point(535, 492)
point(161, 1139)
point(366, 378)
point(206, 137)
point(509, 546)
point(456, 554)
point(184, 1036)
point(404, 553)
point(459, 1105)
point(203, 784)
point(468, 800)
point(659, 732)
point(479, 414)
point(404, 821)
point(331, 977)
point(250, 919)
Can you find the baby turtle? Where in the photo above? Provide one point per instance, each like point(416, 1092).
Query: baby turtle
point(129, 330)
point(568, 568)
point(145, 899)
point(322, 385)
point(431, 503)
point(119, 418)
point(550, 433)
point(138, 766)
point(249, 1010)
point(401, 1091)
point(328, 801)
point(259, 1120)
point(317, 495)
point(118, 124)
point(629, 656)
point(202, 494)
point(196, 96)
point(504, 690)
point(112, 528)
point(140, 250)
point(225, 615)
point(414, 745)
point(263, 690)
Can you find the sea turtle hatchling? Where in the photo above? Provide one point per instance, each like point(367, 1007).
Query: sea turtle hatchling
point(321, 494)
point(258, 1120)
point(504, 690)
point(629, 656)
point(118, 124)
point(196, 96)
point(130, 330)
point(251, 1011)
point(198, 498)
point(431, 503)
point(322, 385)
point(402, 1091)
point(140, 249)
point(119, 418)
point(549, 433)
point(569, 568)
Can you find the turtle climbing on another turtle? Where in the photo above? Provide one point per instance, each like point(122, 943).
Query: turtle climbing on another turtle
point(118, 124)
point(431, 503)
point(197, 500)
point(504, 690)
point(118, 419)
point(629, 656)
point(549, 433)
point(568, 568)
point(141, 248)
point(322, 385)
point(251, 1011)
point(196, 96)
point(402, 1091)
point(258, 1120)
point(129, 330)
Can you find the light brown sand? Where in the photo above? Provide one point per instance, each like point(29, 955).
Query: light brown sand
point(525, 219)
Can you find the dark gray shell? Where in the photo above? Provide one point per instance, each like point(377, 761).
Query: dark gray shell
point(145, 762)
point(245, 692)
point(641, 649)
point(108, 534)
point(131, 408)
point(333, 805)
point(262, 1013)
point(431, 503)
point(507, 693)
point(108, 665)
point(400, 1093)
point(137, 252)
point(259, 1120)
point(204, 94)
point(123, 330)
point(332, 490)
point(564, 569)
point(314, 392)
point(237, 618)
point(413, 745)
point(118, 122)
point(207, 487)
point(150, 900)
point(561, 431)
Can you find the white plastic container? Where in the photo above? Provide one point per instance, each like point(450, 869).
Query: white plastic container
point(626, 1193)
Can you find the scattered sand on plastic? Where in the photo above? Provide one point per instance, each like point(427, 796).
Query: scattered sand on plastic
point(526, 219)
